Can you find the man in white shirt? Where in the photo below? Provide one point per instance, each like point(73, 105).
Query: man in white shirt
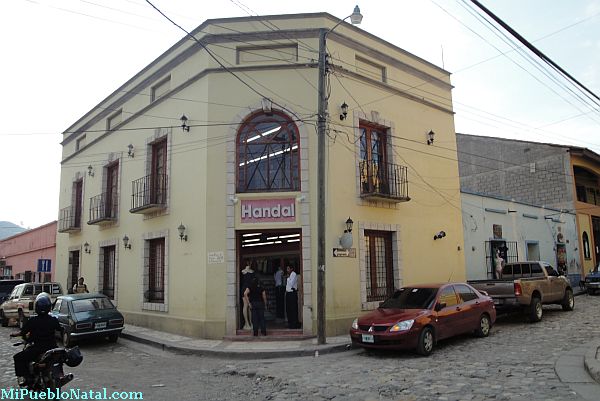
point(291, 298)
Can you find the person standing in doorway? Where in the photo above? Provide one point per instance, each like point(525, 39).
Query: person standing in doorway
point(80, 287)
point(256, 296)
point(291, 298)
point(279, 293)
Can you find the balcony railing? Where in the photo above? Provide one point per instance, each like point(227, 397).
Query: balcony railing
point(69, 220)
point(103, 208)
point(149, 194)
point(384, 181)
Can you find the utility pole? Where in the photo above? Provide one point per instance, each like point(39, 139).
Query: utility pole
point(321, 132)
point(356, 18)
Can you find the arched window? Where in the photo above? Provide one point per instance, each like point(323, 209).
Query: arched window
point(586, 245)
point(268, 154)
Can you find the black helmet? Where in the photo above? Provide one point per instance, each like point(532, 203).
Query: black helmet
point(43, 304)
point(74, 357)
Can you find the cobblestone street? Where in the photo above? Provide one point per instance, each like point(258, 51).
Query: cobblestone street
point(516, 362)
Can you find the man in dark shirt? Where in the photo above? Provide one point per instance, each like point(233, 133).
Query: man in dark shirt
point(256, 296)
point(40, 330)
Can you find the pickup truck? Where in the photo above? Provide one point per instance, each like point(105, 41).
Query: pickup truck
point(527, 286)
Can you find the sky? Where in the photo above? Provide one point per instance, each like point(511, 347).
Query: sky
point(60, 58)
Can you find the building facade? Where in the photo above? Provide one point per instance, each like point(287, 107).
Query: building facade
point(560, 177)
point(162, 212)
point(30, 255)
point(517, 231)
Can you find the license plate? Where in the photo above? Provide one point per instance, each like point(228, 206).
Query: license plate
point(368, 338)
point(101, 325)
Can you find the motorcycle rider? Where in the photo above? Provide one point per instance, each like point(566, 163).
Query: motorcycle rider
point(39, 330)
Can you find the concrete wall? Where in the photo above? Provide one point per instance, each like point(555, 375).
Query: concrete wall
point(529, 172)
point(524, 224)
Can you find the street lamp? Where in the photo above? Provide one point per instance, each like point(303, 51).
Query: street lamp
point(355, 18)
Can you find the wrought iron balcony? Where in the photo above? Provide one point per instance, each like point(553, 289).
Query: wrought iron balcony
point(149, 194)
point(69, 220)
point(383, 181)
point(103, 208)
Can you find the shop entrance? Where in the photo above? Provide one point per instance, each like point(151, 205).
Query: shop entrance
point(266, 250)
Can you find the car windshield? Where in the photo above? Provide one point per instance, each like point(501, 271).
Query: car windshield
point(90, 304)
point(411, 298)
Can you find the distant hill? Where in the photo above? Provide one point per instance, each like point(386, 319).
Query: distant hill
point(8, 229)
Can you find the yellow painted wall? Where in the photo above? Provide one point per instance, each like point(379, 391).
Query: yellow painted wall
point(198, 291)
point(585, 212)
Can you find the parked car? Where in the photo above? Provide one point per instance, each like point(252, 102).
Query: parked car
point(592, 282)
point(19, 304)
point(6, 287)
point(527, 286)
point(416, 317)
point(87, 316)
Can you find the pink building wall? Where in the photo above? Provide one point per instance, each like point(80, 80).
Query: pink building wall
point(22, 251)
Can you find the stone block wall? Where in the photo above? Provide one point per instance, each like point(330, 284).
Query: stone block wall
point(534, 173)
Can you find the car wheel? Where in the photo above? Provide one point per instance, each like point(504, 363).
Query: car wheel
point(113, 338)
point(21, 319)
point(484, 326)
point(66, 339)
point(568, 302)
point(3, 319)
point(535, 310)
point(426, 340)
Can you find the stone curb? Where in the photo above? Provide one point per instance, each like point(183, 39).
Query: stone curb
point(591, 362)
point(221, 351)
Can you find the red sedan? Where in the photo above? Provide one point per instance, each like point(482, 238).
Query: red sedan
point(417, 317)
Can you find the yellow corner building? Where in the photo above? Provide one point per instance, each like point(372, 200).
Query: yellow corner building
point(208, 159)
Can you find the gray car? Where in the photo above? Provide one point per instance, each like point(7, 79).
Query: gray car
point(83, 316)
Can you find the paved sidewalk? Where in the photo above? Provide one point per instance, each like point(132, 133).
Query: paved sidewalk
point(580, 369)
point(259, 349)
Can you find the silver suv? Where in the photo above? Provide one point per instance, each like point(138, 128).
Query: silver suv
point(19, 304)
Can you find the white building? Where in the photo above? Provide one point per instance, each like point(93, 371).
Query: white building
point(518, 231)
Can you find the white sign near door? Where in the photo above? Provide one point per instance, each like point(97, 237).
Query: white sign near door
point(215, 258)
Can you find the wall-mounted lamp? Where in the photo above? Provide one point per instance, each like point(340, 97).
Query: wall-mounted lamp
point(349, 224)
point(344, 108)
point(439, 235)
point(126, 243)
point(86, 248)
point(184, 126)
point(90, 171)
point(430, 136)
point(182, 234)
point(130, 150)
point(346, 238)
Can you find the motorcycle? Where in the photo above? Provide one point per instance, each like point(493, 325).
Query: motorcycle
point(46, 371)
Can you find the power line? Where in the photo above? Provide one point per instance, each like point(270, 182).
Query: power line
point(529, 59)
point(535, 50)
point(216, 59)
